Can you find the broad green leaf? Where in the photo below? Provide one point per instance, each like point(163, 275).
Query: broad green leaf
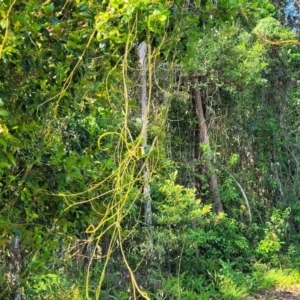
point(130, 10)
point(162, 17)
point(3, 112)
point(48, 9)
point(3, 164)
point(83, 7)
point(3, 142)
point(4, 23)
point(19, 18)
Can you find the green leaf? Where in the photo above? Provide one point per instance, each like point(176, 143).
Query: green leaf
point(19, 19)
point(48, 9)
point(65, 227)
point(4, 23)
point(152, 26)
point(132, 104)
point(12, 139)
point(11, 158)
point(3, 112)
point(83, 7)
point(130, 10)
point(54, 20)
point(3, 164)
point(3, 142)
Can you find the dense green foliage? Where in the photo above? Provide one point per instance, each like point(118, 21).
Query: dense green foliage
point(73, 159)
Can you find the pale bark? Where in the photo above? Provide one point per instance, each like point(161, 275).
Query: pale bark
point(276, 175)
point(142, 53)
point(204, 137)
point(14, 267)
point(244, 196)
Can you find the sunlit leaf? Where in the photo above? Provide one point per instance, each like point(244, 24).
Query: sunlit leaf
point(48, 9)
point(3, 112)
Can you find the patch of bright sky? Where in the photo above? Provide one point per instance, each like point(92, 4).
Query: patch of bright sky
point(291, 14)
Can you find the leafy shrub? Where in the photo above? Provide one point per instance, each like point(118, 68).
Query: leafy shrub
point(275, 233)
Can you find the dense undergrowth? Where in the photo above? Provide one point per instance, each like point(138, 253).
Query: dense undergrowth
point(228, 284)
point(217, 260)
point(194, 254)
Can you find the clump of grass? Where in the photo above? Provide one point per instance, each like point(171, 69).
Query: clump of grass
point(281, 279)
point(232, 291)
point(287, 279)
point(233, 285)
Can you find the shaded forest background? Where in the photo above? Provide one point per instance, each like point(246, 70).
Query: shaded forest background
point(149, 149)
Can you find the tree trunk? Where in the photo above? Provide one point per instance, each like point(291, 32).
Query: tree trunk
point(14, 267)
point(142, 53)
point(204, 138)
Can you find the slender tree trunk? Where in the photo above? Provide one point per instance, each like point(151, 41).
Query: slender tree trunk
point(14, 268)
point(195, 183)
point(197, 169)
point(204, 138)
point(142, 53)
